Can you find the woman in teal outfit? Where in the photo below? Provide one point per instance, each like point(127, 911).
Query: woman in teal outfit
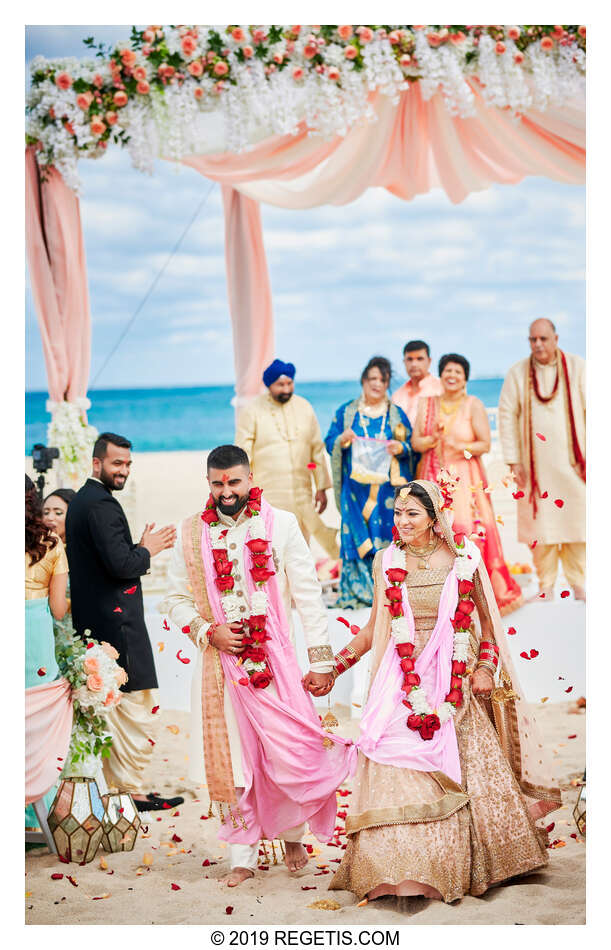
point(369, 442)
point(46, 575)
point(54, 511)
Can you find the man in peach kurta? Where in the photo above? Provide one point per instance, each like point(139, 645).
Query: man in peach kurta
point(542, 428)
point(420, 381)
point(280, 433)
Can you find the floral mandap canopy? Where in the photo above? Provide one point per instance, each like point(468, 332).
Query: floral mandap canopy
point(297, 116)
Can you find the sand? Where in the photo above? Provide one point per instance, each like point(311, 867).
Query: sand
point(553, 896)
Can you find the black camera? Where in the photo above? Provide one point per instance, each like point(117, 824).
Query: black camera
point(42, 457)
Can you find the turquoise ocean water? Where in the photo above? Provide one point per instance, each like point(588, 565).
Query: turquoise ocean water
point(198, 418)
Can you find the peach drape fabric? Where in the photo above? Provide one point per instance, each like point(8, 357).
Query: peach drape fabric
point(48, 722)
point(414, 146)
point(249, 293)
point(58, 274)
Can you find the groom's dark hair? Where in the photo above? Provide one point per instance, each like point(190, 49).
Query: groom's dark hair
point(226, 456)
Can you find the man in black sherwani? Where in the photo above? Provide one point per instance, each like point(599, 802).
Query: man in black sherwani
point(105, 571)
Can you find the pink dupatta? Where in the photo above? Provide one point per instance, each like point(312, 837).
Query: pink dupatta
point(291, 777)
point(385, 737)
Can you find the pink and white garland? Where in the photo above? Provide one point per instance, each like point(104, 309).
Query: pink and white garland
point(423, 718)
point(254, 658)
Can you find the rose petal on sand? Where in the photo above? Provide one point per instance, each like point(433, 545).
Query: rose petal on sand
point(565, 593)
point(72, 880)
point(544, 699)
point(569, 690)
point(175, 887)
point(539, 436)
point(176, 838)
point(229, 910)
point(308, 887)
point(103, 865)
point(550, 827)
point(56, 877)
point(512, 632)
point(183, 659)
point(100, 897)
point(558, 502)
point(533, 654)
point(166, 625)
point(150, 740)
point(573, 736)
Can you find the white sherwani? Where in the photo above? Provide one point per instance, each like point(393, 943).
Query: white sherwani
point(555, 473)
point(296, 576)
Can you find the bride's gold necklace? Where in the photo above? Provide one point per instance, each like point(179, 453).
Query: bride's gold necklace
point(425, 554)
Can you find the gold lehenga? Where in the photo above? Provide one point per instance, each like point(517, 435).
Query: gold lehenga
point(420, 828)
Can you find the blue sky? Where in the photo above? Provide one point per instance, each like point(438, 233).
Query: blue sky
point(346, 281)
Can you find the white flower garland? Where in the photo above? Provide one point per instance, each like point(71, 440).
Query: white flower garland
point(73, 437)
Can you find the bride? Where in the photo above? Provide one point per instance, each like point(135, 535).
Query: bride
point(451, 772)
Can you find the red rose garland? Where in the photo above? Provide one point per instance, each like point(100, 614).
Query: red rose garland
point(254, 638)
point(421, 719)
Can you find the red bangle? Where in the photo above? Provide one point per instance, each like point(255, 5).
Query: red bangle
point(344, 660)
point(486, 644)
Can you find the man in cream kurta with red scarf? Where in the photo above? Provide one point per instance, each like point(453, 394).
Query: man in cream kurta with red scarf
point(256, 739)
point(542, 427)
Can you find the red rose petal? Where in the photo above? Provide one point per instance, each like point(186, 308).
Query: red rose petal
point(565, 593)
point(165, 804)
point(42, 671)
point(518, 494)
point(176, 838)
point(56, 877)
point(525, 655)
point(151, 741)
point(545, 495)
point(90, 645)
point(574, 736)
point(155, 709)
point(344, 621)
point(309, 848)
point(204, 817)
point(561, 677)
point(244, 681)
point(72, 881)
point(539, 436)
point(183, 659)
point(558, 502)
point(551, 827)
point(569, 690)
point(131, 590)
point(308, 887)
point(533, 654)
point(532, 545)
point(186, 629)
point(117, 610)
point(175, 887)
point(312, 465)
point(512, 632)
point(229, 910)
point(64, 859)
point(542, 596)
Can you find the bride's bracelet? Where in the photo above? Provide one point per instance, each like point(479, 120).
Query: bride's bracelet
point(344, 660)
point(488, 656)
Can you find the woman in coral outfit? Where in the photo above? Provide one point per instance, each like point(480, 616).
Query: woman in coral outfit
point(452, 432)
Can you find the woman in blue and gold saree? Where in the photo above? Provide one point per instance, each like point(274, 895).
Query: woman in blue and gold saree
point(369, 441)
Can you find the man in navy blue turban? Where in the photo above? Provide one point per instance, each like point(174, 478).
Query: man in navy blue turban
point(280, 433)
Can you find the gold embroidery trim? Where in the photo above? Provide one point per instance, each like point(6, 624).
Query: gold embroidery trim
point(370, 504)
point(322, 654)
point(199, 567)
point(453, 799)
point(364, 548)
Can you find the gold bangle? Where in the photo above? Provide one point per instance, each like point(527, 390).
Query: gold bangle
point(356, 656)
point(486, 665)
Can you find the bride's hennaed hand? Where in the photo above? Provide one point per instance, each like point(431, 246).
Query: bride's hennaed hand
point(482, 682)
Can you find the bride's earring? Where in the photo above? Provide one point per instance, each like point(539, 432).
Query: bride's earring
point(437, 529)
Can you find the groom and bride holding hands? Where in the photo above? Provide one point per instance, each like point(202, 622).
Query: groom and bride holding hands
point(450, 774)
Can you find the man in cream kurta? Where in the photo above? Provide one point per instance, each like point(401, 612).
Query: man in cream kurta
point(559, 525)
point(280, 433)
point(296, 576)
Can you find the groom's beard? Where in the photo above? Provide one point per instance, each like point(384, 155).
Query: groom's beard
point(234, 507)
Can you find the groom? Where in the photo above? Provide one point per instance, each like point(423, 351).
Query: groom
point(256, 739)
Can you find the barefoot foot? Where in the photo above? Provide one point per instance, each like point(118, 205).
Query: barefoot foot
point(237, 876)
point(296, 856)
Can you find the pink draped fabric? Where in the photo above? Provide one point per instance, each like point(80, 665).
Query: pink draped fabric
point(249, 293)
point(385, 737)
point(58, 274)
point(414, 146)
point(48, 722)
point(290, 776)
